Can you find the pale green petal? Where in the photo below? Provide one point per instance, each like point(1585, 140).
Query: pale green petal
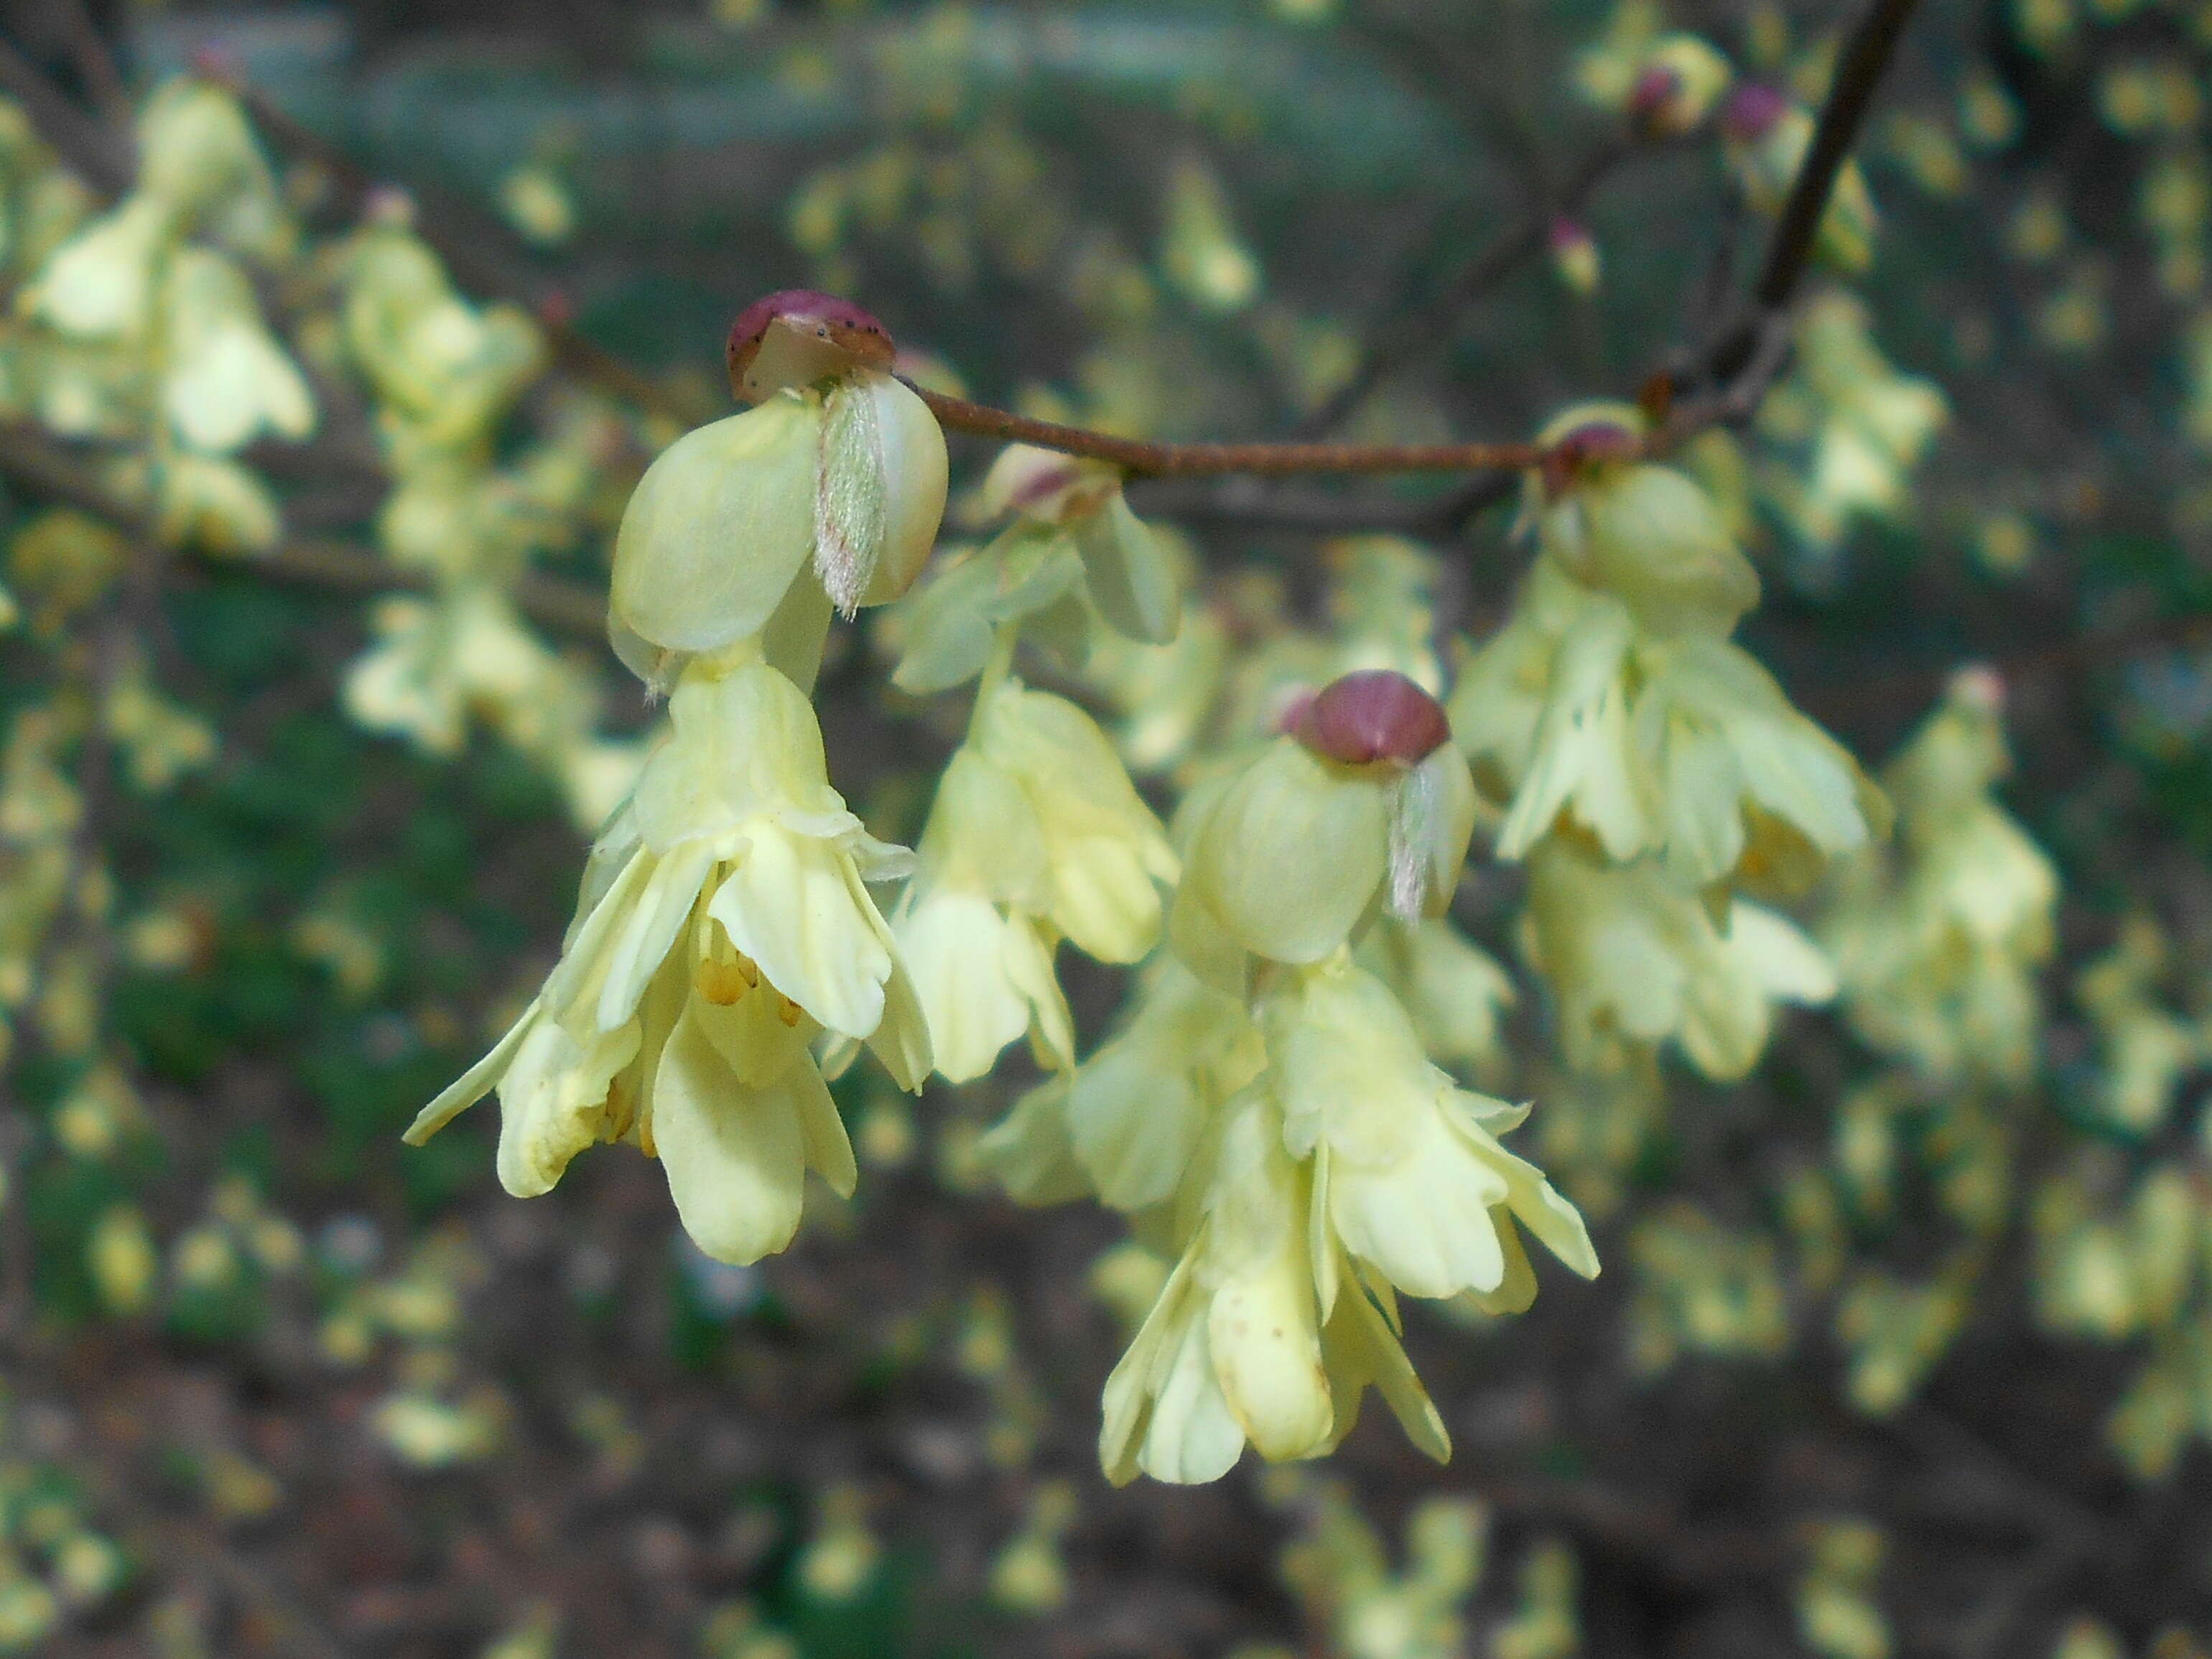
point(718, 528)
point(956, 944)
point(1583, 758)
point(915, 476)
point(794, 905)
point(1293, 854)
point(1360, 1348)
point(553, 1102)
point(1129, 581)
point(736, 1158)
point(661, 910)
point(1028, 1149)
point(473, 1084)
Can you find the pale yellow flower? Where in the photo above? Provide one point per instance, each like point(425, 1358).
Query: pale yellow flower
point(1237, 1349)
point(1408, 1173)
point(1632, 959)
point(227, 381)
point(1127, 1125)
point(723, 924)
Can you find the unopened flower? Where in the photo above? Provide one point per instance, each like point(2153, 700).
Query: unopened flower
point(838, 462)
point(1063, 498)
point(1638, 530)
point(1679, 81)
point(1574, 255)
point(723, 925)
point(1362, 807)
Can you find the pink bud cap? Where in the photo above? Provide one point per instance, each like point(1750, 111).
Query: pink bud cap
point(1753, 111)
point(1376, 714)
point(1565, 235)
point(1582, 448)
point(1655, 87)
point(556, 309)
point(1979, 686)
point(213, 61)
point(796, 335)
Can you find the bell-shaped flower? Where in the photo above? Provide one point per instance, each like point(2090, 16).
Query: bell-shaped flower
point(1644, 533)
point(1104, 851)
point(444, 371)
point(200, 160)
point(434, 660)
point(723, 925)
point(1238, 1347)
point(1064, 499)
point(1938, 946)
point(98, 285)
point(1362, 806)
point(971, 926)
point(838, 462)
point(215, 504)
point(1038, 834)
point(1748, 788)
point(1582, 759)
point(1408, 1176)
point(1128, 1126)
point(1632, 959)
point(226, 381)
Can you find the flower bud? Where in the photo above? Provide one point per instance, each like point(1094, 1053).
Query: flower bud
point(1752, 111)
point(1575, 255)
point(1675, 90)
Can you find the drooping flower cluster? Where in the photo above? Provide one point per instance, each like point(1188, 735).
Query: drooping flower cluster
point(1269, 1109)
point(725, 921)
point(445, 374)
point(142, 323)
point(1647, 770)
point(1939, 944)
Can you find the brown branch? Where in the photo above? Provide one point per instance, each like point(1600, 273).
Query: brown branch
point(95, 65)
point(459, 240)
point(34, 460)
point(1412, 330)
point(102, 156)
point(1859, 72)
point(1153, 457)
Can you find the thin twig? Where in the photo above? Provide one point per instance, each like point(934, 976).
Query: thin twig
point(460, 246)
point(102, 157)
point(1859, 71)
point(1414, 329)
point(32, 458)
point(1153, 457)
point(95, 65)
